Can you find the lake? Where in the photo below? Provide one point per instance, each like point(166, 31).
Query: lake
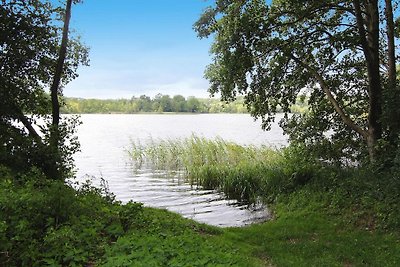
point(105, 140)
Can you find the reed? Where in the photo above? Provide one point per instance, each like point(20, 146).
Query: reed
point(241, 172)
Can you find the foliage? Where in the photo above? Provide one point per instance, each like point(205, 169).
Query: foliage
point(29, 46)
point(324, 215)
point(246, 173)
point(338, 53)
point(175, 104)
point(45, 222)
point(160, 103)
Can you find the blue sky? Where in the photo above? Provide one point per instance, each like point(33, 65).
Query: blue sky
point(140, 47)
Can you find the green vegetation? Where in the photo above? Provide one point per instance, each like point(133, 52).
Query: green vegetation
point(334, 190)
point(341, 54)
point(35, 64)
point(253, 173)
point(322, 216)
point(48, 223)
point(160, 104)
point(237, 171)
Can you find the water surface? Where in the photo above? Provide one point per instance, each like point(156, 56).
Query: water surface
point(106, 138)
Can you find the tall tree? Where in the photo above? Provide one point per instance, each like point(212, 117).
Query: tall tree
point(54, 89)
point(31, 59)
point(337, 52)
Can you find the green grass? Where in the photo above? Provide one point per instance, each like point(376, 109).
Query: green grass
point(311, 239)
point(169, 240)
point(365, 196)
point(324, 215)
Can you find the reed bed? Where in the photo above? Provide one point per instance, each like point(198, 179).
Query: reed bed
point(241, 172)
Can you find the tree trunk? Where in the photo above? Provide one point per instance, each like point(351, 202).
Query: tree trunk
point(54, 90)
point(59, 68)
point(391, 45)
point(391, 93)
point(375, 87)
point(369, 40)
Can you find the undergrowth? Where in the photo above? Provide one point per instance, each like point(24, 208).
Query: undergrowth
point(48, 223)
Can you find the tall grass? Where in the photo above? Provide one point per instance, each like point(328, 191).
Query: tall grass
point(290, 177)
point(241, 172)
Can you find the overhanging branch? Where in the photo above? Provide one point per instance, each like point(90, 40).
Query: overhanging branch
point(324, 86)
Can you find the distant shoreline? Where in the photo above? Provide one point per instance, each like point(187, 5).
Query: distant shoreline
point(162, 104)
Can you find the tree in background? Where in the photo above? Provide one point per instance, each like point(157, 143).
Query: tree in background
point(340, 53)
point(166, 103)
point(179, 103)
point(33, 59)
point(193, 105)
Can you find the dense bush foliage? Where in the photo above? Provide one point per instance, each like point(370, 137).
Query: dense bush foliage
point(48, 223)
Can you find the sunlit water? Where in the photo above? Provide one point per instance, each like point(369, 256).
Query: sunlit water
point(105, 140)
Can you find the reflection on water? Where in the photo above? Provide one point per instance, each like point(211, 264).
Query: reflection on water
point(105, 139)
point(208, 206)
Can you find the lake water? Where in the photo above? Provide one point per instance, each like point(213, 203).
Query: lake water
point(105, 140)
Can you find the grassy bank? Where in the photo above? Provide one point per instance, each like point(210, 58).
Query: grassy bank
point(323, 216)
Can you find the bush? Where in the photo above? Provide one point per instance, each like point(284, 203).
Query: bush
point(47, 222)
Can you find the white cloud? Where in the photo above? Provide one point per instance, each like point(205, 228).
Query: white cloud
point(113, 74)
point(94, 83)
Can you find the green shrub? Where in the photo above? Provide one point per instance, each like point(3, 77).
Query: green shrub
point(47, 223)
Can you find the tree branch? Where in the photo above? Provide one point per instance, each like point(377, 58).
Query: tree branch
point(346, 119)
point(19, 115)
point(28, 125)
point(361, 29)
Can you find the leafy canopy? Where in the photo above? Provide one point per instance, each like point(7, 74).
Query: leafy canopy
point(334, 53)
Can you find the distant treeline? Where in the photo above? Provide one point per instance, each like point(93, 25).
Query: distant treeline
point(158, 104)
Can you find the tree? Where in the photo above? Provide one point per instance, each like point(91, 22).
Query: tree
point(165, 103)
point(32, 60)
point(193, 104)
point(144, 103)
point(339, 53)
point(179, 103)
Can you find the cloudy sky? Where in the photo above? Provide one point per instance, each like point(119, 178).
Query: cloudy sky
point(140, 47)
